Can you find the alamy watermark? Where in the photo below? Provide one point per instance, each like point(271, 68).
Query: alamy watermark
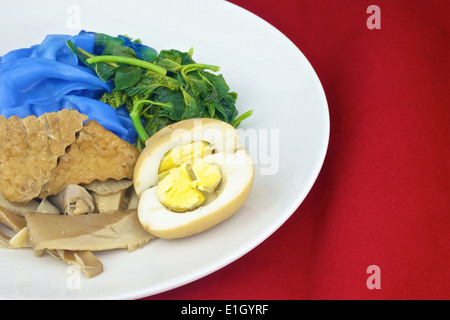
point(374, 20)
point(263, 145)
point(374, 280)
point(73, 21)
point(73, 281)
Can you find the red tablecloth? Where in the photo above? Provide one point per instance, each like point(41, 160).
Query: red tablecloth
point(382, 197)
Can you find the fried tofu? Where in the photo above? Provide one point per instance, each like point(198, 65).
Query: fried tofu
point(30, 149)
point(96, 154)
point(40, 156)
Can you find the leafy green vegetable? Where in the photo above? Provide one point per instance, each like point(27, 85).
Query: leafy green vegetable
point(159, 89)
point(128, 61)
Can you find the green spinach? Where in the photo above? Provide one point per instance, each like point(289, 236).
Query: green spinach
point(162, 89)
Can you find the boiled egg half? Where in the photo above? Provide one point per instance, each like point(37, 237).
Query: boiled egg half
point(191, 176)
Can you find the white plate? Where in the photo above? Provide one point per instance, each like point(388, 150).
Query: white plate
point(271, 76)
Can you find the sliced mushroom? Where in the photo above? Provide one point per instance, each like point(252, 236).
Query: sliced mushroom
point(88, 263)
point(17, 224)
point(73, 200)
point(129, 200)
point(18, 209)
point(4, 241)
point(21, 239)
point(133, 199)
point(47, 207)
point(109, 202)
point(92, 232)
point(109, 186)
point(12, 220)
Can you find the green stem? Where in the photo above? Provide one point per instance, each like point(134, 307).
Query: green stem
point(153, 103)
point(128, 60)
point(135, 116)
point(242, 118)
point(139, 145)
point(87, 54)
point(197, 66)
point(90, 55)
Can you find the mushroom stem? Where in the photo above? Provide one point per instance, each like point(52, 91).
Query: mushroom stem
point(73, 200)
point(91, 232)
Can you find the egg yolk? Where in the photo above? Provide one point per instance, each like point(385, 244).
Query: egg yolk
point(184, 154)
point(177, 189)
point(208, 176)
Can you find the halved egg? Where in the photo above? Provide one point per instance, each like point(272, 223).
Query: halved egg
point(191, 176)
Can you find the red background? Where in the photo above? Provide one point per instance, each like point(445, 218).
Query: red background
point(382, 197)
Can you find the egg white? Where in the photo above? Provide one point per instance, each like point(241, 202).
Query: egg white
point(237, 173)
point(222, 137)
